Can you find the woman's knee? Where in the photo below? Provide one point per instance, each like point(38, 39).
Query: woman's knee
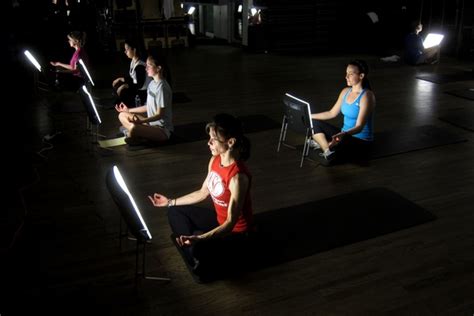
point(176, 217)
point(123, 116)
point(132, 131)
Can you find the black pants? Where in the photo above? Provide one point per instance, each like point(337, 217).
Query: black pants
point(350, 148)
point(64, 81)
point(127, 95)
point(214, 257)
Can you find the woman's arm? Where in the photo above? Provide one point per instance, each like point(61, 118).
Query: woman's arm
point(152, 118)
point(65, 66)
point(117, 80)
point(197, 196)
point(139, 109)
point(193, 197)
point(334, 111)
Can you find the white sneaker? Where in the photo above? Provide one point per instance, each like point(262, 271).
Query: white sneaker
point(123, 130)
point(313, 144)
point(328, 155)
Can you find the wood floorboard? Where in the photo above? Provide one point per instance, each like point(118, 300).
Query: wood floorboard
point(68, 255)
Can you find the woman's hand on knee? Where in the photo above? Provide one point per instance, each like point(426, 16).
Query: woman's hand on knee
point(121, 107)
point(187, 240)
point(336, 139)
point(135, 119)
point(158, 200)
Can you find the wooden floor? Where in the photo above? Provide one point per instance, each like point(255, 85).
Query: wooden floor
point(66, 259)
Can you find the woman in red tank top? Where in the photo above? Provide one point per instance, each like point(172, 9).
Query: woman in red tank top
point(203, 236)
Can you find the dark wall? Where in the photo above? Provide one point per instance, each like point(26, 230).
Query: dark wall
point(324, 26)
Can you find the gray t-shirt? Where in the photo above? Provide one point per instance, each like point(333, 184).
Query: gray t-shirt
point(159, 94)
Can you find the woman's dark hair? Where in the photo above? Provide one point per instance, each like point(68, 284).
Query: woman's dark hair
point(363, 69)
point(160, 60)
point(78, 36)
point(414, 25)
point(132, 43)
point(229, 126)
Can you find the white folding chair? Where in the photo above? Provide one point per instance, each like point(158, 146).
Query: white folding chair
point(296, 117)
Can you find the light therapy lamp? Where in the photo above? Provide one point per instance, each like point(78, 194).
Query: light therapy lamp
point(130, 213)
point(127, 206)
point(89, 104)
point(297, 117)
point(32, 59)
point(191, 10)
point(432, 39)
point(86, 71)
point(294, 101)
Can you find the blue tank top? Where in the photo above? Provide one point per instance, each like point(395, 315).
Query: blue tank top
point(351, 112)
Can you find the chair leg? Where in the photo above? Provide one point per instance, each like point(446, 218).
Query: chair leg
point(142, 273)
point(305, 153)
point(284, 126)
point(145, 276)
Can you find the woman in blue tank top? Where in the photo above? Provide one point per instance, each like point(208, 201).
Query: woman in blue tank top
point(356, 103)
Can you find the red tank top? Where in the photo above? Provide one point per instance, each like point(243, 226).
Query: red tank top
point(218, 186)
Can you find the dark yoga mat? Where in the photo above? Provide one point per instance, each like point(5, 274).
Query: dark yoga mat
point(197, 131)
point(411, 138)
point(446, 78)
point(463, 118)
point(303, 230)
point(403, 140)
point(298, 231)
point(463, 93)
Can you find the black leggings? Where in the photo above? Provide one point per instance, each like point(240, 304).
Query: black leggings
point(64, 81)
point(349, 148)
point(191, 220)
point(127, 95)
point(207, 257)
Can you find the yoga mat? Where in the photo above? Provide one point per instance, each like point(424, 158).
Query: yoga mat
point(463, 93)
point(403, 140)
point(446, 78)
point(411, 138)
point(197, 131)
point(113, 142)
point(303, 230)
point(298, 231)
point(463, 118)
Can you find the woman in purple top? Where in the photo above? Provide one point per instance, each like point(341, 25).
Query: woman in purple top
point(76, 40)
point(357, 104)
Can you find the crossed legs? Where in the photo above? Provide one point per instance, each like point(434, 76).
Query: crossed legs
point(142, 131)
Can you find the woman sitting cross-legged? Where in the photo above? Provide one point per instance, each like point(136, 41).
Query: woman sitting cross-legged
point(356, 103)
point(135, 83)
point(216, 241)
point(151, 122)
